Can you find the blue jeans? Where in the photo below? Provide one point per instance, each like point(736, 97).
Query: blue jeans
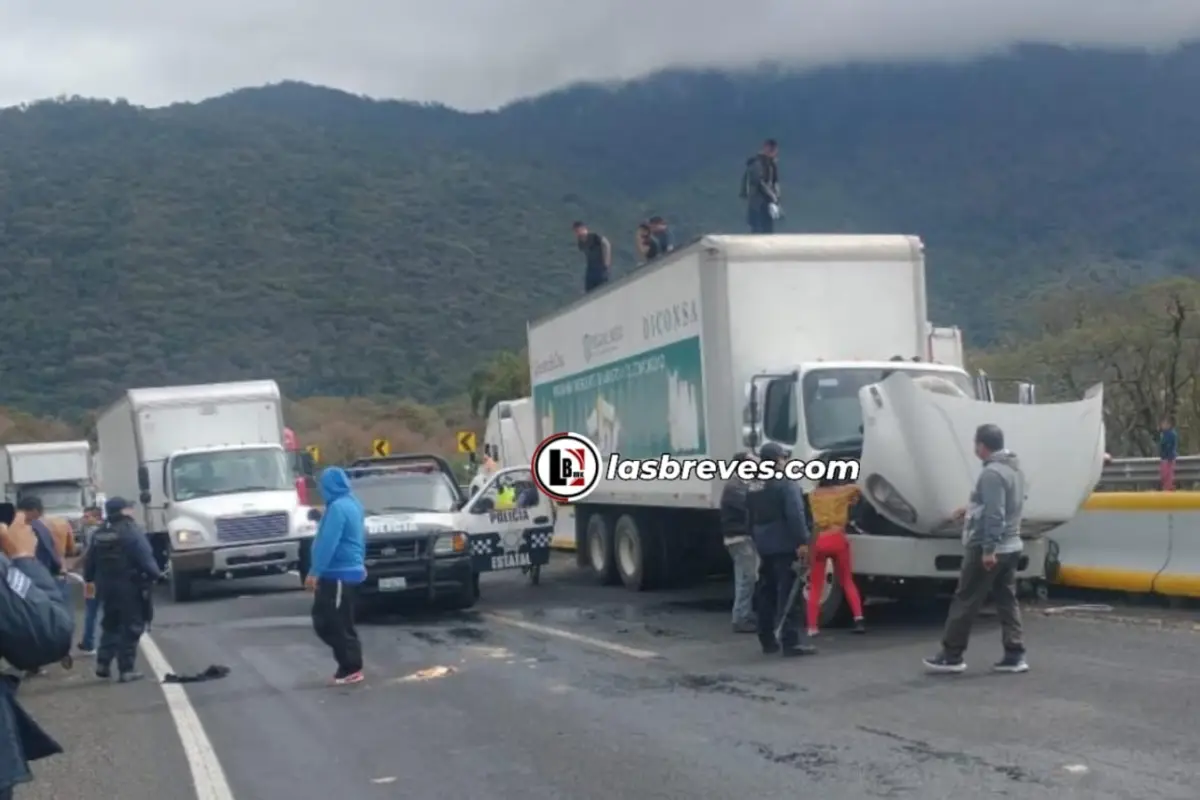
point(745, 573)
point(91, 615)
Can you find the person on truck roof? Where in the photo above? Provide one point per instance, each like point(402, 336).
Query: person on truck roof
point(337, 570)
point(661, 235)
point(760, 188)
point(597, 256)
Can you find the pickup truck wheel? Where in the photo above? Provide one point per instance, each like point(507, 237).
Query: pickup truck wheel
point(600, 549)
point(466, 596)
point(181, 587)
point(634, 551)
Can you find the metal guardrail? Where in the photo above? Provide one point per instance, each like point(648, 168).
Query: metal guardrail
point(1133, 474)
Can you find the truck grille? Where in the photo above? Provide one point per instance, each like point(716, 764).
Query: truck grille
point(248, 529)
point(387, 551)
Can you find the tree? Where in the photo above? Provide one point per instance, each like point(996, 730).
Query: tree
point(505, 377)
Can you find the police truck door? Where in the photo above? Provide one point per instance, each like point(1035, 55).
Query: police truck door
point(510, 523)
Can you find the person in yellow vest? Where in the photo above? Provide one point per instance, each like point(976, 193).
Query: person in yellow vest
point(830, 505)
point(506, 498)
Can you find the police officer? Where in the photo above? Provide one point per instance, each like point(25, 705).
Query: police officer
point(121, 565)
point(780, 532)
point(35, 629)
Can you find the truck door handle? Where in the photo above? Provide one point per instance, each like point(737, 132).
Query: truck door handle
point(540, 520)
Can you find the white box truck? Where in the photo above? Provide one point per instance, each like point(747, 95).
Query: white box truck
point(59, 473)
point(809, 341)
point(208, 469)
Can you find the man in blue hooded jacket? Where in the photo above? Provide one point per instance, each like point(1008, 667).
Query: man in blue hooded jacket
point(337, 571)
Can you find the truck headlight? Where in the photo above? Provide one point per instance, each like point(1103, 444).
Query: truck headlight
point(306, 528)
point(188, 536)
point(450, 543)
point(886, 495)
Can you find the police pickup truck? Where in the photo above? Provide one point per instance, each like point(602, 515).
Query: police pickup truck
point(426, 538)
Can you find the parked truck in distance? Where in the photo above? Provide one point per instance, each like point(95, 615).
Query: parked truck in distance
point(212, 480)
point(59, 473)
point(814, 342)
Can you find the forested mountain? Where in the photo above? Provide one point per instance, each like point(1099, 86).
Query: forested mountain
point(347, 246)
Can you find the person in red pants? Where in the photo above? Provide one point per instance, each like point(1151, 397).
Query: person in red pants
point(830, 505)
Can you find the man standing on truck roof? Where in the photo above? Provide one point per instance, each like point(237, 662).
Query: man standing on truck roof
point(991, 557)
point(779, 527)
point(760, 188)
point(338, 570)
point(597, 256)
point(661, 235)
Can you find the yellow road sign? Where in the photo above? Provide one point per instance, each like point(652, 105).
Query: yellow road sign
point(466, 441)
point(315, 452)
point(381, 448)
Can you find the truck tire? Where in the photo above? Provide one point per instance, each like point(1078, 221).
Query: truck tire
point(181, 587)
point(835, 611)
point(634, 551)
point(466, 596)
point(600, 549)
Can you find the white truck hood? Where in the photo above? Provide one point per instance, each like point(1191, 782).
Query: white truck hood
point(416, 524)
point(922, 444)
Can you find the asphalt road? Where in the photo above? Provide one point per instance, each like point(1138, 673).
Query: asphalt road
point(568, 690)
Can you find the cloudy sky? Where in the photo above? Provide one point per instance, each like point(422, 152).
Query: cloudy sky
point(481, 53)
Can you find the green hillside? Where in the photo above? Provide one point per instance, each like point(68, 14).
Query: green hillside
point(348, 247)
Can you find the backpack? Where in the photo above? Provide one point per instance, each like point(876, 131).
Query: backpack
point(744, 192)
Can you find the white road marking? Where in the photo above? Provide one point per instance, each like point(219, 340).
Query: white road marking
point(546, 630)
point(208, 778)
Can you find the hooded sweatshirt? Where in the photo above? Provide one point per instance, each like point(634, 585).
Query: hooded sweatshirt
point(993, 520)
point(339, 549)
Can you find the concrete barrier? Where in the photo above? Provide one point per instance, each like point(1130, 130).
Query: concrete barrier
point(1139, 542)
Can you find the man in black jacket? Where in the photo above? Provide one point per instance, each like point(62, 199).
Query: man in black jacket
point(121, 565)
point(735, 527)
point(780, 531)
point(35, 630)
point(760, 188)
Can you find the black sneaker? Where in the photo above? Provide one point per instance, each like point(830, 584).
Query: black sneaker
point(130, 677)
point(942, 663)
point(103, 673)
point(859, 627)
point(769, 648)
point(1012, 662)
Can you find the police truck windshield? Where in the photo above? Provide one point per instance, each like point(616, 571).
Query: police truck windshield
point(398, 492)
point(195, 475)
point(832, 414)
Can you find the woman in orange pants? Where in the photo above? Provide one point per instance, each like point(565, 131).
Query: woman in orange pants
point(830, 506)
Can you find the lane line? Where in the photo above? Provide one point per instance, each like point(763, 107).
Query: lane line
point(559, 633)
point(208, 778)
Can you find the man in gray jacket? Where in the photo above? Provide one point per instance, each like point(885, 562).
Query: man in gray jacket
point(991, 555)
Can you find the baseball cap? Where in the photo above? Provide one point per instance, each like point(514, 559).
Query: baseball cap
point(773, 450)
point(113, 506)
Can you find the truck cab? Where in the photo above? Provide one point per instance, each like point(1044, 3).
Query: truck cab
point(58, 473)
point(911, 425)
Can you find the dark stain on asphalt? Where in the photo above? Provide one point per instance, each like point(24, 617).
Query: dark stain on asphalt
point(468, 634)
point(427, 637)
point(817, 761)
point(744, 687)
point(923, 752)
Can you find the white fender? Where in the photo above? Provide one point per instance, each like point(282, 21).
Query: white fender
point(919, 465)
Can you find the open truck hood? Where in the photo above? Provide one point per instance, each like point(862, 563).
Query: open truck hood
point(921, 444)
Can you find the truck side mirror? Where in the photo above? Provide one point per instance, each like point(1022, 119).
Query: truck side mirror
point(314, 515)
point(144, 481)
point(145, 498)
point(307, 465)
point(472, 458)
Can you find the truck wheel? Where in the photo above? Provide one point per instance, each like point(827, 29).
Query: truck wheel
point(835, 611)
point(634, 551)
point(600, 549)
point(181, 587)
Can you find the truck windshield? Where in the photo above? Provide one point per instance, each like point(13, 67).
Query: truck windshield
point(196, 475)
point(398, 492)
point(832, 414)
point(58, 499)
